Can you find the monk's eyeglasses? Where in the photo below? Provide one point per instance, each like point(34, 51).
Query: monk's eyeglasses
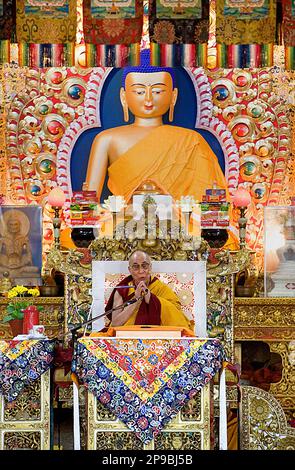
point(143, 266)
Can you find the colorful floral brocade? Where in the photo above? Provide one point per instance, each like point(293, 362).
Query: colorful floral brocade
point(54, 24)
point(145, 382)
point(112, 28)
point(232, 29)
point(21, 363)
point(289, 23)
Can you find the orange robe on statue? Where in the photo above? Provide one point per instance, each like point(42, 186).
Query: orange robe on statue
point(178, 160)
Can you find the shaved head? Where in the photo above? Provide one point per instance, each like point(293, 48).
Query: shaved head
point(140, 266)
point(139, 254)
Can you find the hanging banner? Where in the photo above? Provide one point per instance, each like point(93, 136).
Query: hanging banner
point(7, 18)
point(178, 39)
point(246, 9)
point(175, 9)
point(241, 28)
point(50, 22)
point(289, 22)
point(106, 22)
point(118, 55)
point(288, 30)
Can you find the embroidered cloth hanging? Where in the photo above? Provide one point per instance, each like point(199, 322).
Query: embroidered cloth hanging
point(7, 28)
point(245, 32)
point(179, 32)
point(46, 32)
point(21, 363)
point(289, 32)
point(112, 32)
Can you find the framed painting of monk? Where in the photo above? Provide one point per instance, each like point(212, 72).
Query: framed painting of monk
point(21, 244)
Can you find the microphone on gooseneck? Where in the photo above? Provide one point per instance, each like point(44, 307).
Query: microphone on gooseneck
point(123, 287)
point(131, 301)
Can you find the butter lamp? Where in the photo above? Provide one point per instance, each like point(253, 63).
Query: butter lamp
point(241, 200)
point(56, 198)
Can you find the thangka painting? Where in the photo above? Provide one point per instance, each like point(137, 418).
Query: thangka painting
point(21, 244)
point(246, 9)
point(168, 9)
point(238, 24)
point(58, 8)
point(111, 9)
point(51, 22)
point(112, 23)
point(178, 22)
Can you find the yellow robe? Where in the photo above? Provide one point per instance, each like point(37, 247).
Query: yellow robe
point(171, 313)
point(177, 159)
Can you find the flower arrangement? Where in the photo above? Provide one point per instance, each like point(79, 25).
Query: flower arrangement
point(19, 296)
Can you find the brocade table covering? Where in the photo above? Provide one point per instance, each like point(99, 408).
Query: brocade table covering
point(21, 363)
point(145, 382)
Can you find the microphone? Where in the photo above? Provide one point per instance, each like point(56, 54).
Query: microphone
point(130, 302)
point(75, 329)
point(122, 287)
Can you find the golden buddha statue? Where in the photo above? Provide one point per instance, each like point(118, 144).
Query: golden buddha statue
point(176, 160)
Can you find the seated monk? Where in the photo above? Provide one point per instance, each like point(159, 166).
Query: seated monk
point(156, 303)
point(176, 159)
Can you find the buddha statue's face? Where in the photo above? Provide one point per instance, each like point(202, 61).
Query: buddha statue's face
point(13, 225)
point(149, 95)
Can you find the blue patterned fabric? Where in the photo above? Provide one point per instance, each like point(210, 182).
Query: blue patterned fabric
point(128, 387)
point(21, 363)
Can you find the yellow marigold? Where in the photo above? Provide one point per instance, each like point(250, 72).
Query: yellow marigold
point(12, 293)
point(21, 289)
point(34, 292)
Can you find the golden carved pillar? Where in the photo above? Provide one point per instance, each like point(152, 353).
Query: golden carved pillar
point(25, 422)
point(272, 321)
